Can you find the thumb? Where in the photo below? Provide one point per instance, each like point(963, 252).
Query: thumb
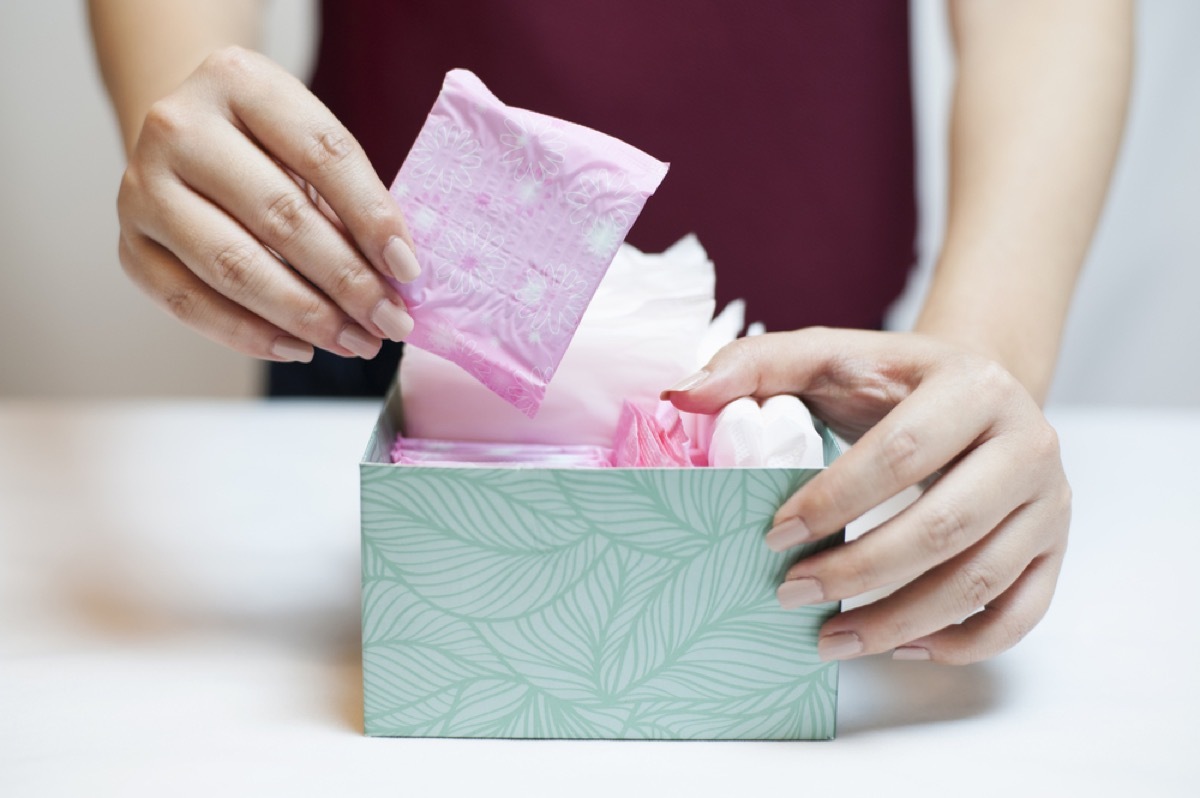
point(760, 366)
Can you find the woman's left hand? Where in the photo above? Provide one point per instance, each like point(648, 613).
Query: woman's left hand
point(978, 554)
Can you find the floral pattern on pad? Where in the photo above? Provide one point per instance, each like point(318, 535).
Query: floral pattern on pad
point(554, 298)
point(468, 258)
point(533, 147)
point(445, 157)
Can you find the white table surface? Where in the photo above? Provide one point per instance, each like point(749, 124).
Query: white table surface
point(179, 615)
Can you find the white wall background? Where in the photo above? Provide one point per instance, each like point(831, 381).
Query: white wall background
point(72, 326)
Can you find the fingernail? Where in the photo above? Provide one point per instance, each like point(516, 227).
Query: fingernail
point(911, 653)
point(291, 350)
point(840, 645)
point(791, 532)
point(686, 384)
point(392, 319)
point(799, 592)
point(358, 342)
point(400, 260)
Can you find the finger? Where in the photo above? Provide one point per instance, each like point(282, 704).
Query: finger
point(295, 127)
point(963, 506)
point(797, 362)
point(226, 257)
point(269, 203)
point(947, 594)
point(312, 194)
point(996, 628)
point(186, 297)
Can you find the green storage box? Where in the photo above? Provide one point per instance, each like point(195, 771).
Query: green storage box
point(583, 603)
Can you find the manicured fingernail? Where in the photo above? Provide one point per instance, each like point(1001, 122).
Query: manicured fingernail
point(839, 645)
point(791, 532)
point(799, 592)
point(392, 319)
point(358, 342)
point(911, 653)
point(291, 349)
point(400, 260)
point(686, 384)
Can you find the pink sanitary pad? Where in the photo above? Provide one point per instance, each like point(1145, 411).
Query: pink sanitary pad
point(645, 440)
point(515, 216)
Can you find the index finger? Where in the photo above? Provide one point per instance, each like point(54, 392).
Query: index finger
point(297, 129)
point(815, 361)
point(759, 366)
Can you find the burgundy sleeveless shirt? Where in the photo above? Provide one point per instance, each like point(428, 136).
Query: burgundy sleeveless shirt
point(788, 124)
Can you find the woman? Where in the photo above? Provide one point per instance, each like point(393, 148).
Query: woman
point(790, 135)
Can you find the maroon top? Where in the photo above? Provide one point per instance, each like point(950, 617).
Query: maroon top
point(788, 125)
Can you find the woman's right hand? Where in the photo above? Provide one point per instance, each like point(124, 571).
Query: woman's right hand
point(252, 215)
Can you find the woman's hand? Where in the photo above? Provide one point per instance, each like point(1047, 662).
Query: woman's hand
point(991, 530)
point(250, 213)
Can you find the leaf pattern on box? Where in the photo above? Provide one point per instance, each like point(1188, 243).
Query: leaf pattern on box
point(575, 604)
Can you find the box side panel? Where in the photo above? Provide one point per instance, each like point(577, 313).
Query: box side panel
point(627, 604)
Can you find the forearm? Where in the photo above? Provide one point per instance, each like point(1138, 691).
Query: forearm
point(1038, 111)
point(147, 47)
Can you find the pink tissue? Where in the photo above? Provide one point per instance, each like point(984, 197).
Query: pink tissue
point(515, 216)
point(649, 441)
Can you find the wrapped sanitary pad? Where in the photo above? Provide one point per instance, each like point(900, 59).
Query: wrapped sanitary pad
point(778, 434)
point(790, 438)
point(515, 216)
point(645, 440)
point(737, 437)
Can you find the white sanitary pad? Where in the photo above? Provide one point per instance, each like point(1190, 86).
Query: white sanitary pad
point(778, 434)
